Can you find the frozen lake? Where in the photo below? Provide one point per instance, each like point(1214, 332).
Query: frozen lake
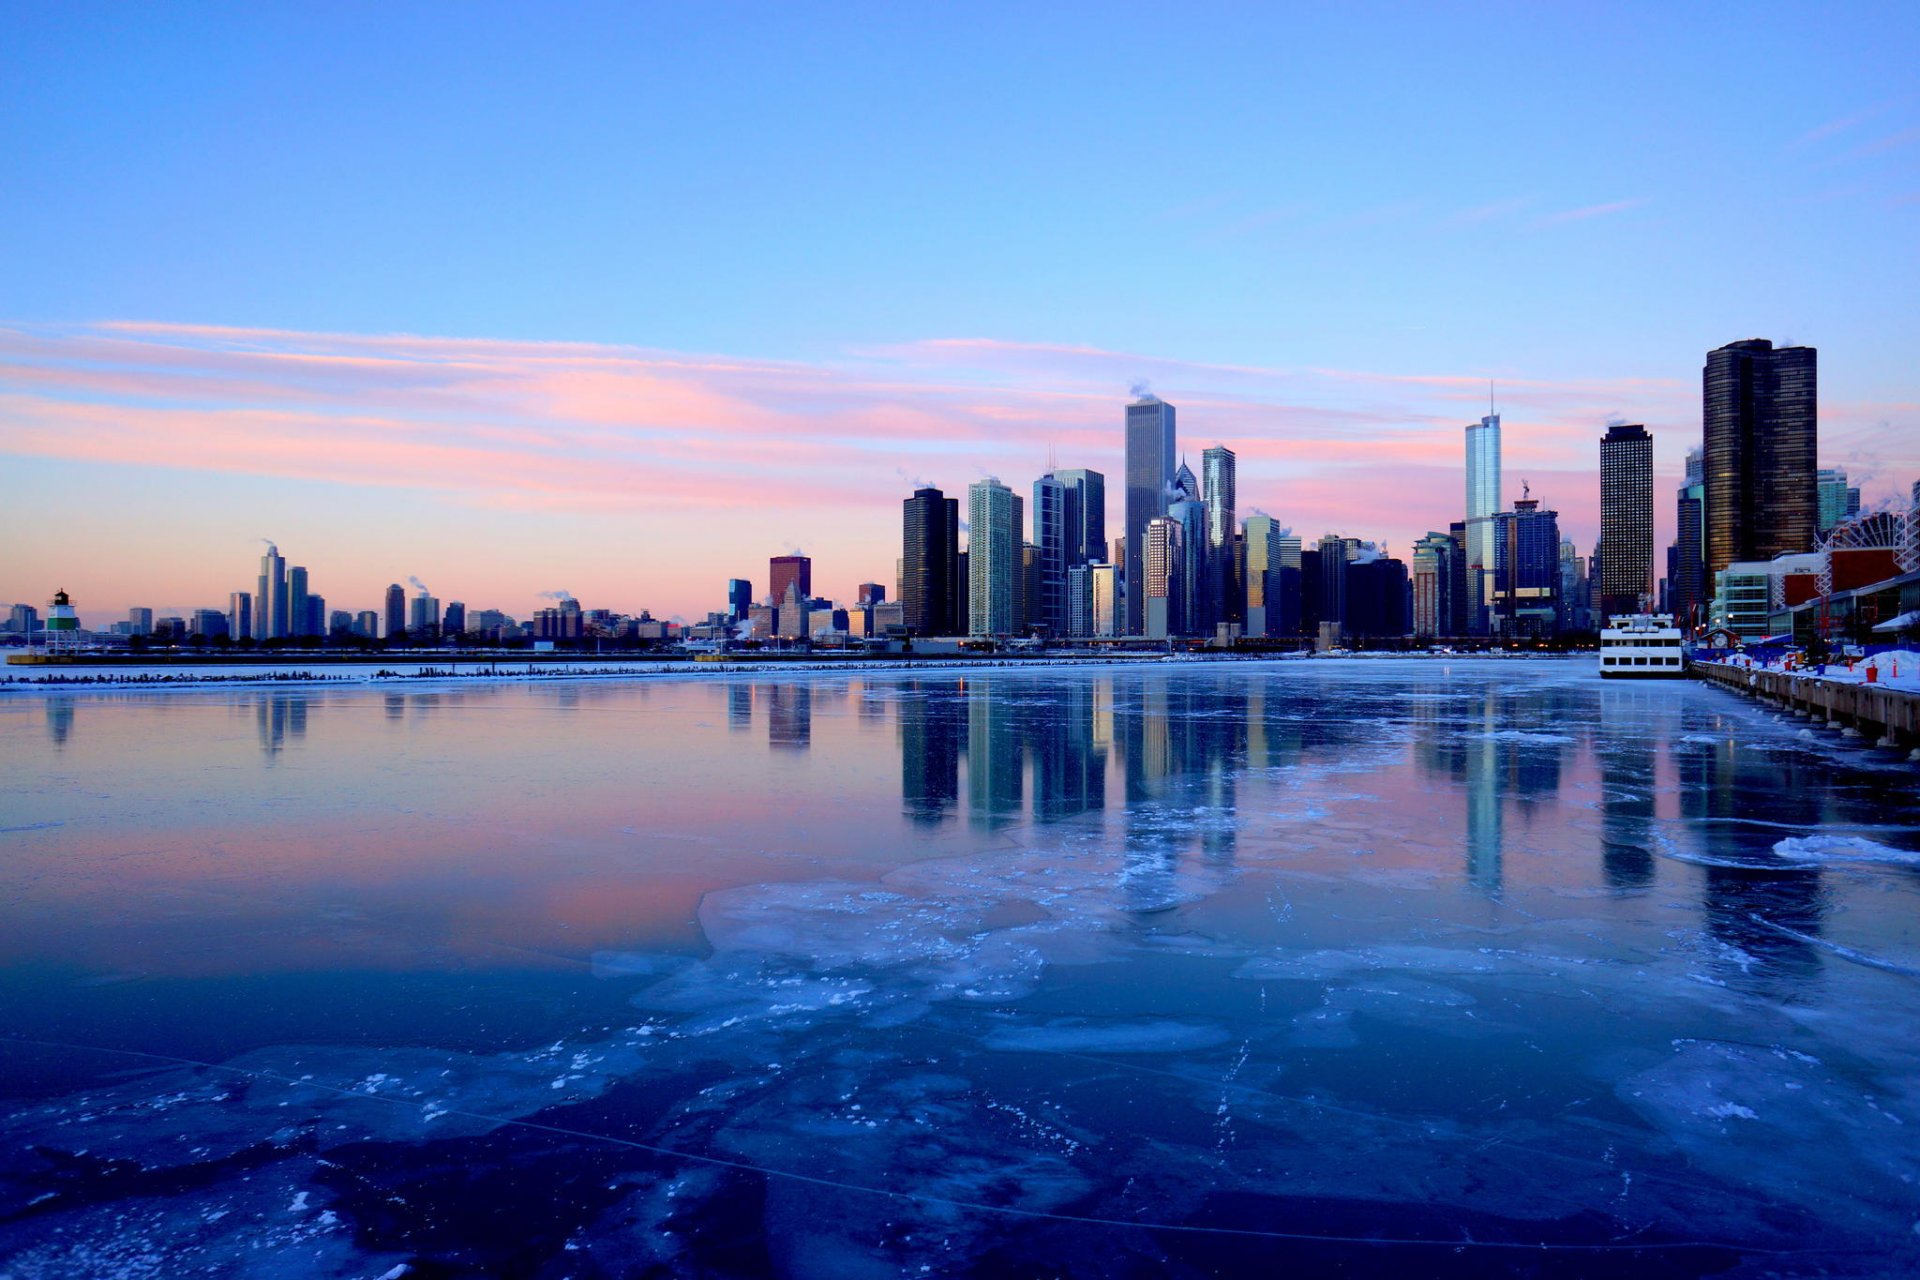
point(1411, 968)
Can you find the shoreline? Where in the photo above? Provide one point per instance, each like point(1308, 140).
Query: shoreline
point(145, 679)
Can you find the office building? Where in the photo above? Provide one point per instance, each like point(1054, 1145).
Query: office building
point(454, 622)
point(208, 624)
point(423, 616)
point(1526, 603)
point(1378, 596)
point(240, 614)
point(1761, 420)
point(1687, 576)
point(1626, 520)
point(139, 622)
point(1086, 514)
point(794, 571)
point(868, 594)
point(739, 598)
point(1483, 504)
point(1109, 591)
point(1161, 565)
point(1262, 542)
point(1054, 553)
point(1226, 599)
point(993, 558)
point(396, 611)
point(297, 609)
point(270, 620)
point(1150, 441)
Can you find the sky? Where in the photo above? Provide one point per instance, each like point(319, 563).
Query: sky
point(621, 300)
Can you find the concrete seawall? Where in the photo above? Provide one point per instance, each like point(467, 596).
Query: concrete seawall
point(1886, 717)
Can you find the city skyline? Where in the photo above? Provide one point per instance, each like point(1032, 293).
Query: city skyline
point(235, 339)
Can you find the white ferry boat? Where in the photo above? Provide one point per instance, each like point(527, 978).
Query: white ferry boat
point(1642, 646)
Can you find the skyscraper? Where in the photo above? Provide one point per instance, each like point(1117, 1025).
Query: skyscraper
point(240, 615)
point(1150, 438)
point(140, 622)
point(1483, 504)
point(455, 621)
point(1626, 520)
point(1838, 500)
point(1688, 580)
point(270, 619)
point(993, 558)
point(1761, 417)
point(1164, 548)
point(1226, 600)
point(926, 559)
point(1527, 567)
point(1263, 563)
point(297, 606)
point(739, 598)
point(1433, 585)
point(1190, 613)
point(1086, 514)
point(788, 571)
point(1051, 538)
point(396, 610)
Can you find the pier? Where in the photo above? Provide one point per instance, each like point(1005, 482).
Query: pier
point(1886, 717)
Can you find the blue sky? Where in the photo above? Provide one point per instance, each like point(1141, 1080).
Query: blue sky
point(1582, 197)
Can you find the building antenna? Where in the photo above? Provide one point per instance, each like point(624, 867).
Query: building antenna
point(1490, 409)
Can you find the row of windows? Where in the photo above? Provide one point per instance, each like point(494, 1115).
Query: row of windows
point(1641, 662)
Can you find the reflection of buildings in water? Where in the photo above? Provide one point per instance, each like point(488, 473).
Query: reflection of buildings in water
point(59, 719)
point(739, 706)
point(1738, 802)
point(279, 716)
point(870, 706)
point(995, 767)
point(933, 737)
point(396, 705)
point(790, 716)
point(1633, 730)
point(1069, 765)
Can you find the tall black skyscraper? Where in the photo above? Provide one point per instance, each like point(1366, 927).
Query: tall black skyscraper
point(1626, 520)
point(1761, 418)
point(1150, 433)
point(928, 525)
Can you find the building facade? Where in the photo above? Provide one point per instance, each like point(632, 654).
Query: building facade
point(1483, 504)
point(1761, 420)
point(1626, 519)
point(1150, 445)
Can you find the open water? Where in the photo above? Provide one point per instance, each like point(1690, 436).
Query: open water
point(1402, 968)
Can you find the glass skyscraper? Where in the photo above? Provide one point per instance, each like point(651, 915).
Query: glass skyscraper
point(1050, 539)
point(1225, 602)
point(1761, 418)
point(1150, 440)
point(1483, 504)
point(1086, 514)
point(927, 563)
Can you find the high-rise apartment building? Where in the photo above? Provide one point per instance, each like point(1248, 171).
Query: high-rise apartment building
point(1161, 566)
point(790, 571)
point(1109, 600)
point(1225, 596)
point(1150, 441)
point(240, 614)
point(1761, 419)
point(1433, 576)
point(298, 609)
point(927, 561)
point(993, 558)
point(1483, 504)
point(1626, 520)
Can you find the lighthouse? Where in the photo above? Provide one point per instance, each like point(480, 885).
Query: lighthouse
point(62, 626)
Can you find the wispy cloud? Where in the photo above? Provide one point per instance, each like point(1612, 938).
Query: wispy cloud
point(1842, 124)
point(1586, 212)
